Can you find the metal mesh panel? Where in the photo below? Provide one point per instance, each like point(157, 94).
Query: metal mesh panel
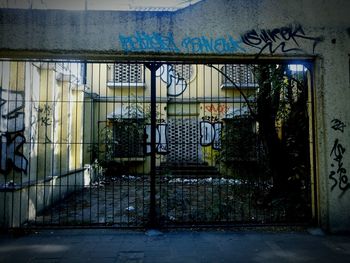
point(240, 74)
point(128, 73)
point(183, 140)
point(185, 71)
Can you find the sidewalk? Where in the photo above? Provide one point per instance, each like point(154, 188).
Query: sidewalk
point(108, 245)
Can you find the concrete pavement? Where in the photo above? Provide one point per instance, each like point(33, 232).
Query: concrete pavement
point(110, 245)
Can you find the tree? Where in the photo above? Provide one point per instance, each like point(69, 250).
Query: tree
point(281, 114)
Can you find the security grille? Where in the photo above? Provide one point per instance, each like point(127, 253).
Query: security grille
point(184, 144)
point(185, 71)
point(128, 73)
point(241, 75)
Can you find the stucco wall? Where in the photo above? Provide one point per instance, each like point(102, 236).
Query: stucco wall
point(317, 30)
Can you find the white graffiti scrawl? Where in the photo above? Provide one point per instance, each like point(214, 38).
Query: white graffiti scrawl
point(176, 84)
point(161, 138)
point(211, 134)
point(11, 127)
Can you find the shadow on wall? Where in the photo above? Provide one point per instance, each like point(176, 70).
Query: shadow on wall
point(23, 203)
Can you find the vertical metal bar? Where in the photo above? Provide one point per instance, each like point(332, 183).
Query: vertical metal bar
point(107, 149)
point(153, 148)
point(76, 145)
point(13, 172)
point(129, 146)
point(99, 135)
point(93, 150)
point(110, 69)
point(45, 137)
point(61, 145)
point(53, 145)
point(2, 72)
point(313, 135)
point(152, 210)
point(28, 90)
point(143, 166)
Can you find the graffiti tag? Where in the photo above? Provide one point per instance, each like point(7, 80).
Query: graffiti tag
point(210, 118)
point(142, 41)
point(338, 174)
point(11, 115)
point(161, 138)
point(176, 84)
point(217, 108)
point(286, 39)
point(210, 134)
point(338, 125)
point(11, 126)
point(10, 154)
point(157, 42)
point(211, 45)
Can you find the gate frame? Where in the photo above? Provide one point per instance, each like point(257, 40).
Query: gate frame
point(153, 62)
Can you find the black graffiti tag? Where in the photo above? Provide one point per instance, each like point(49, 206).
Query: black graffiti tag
point(10, 155)
point(276, 38)
point(338, 174)
point(11, 131)
point(11, 111)
point(338, 125)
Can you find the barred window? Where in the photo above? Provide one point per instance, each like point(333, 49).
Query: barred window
point(126, 73)
point(186, 71)
point(240, 74)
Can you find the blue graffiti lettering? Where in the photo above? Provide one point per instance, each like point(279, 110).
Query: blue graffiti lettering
point(157, 42)
point(211, 45)
point(154, 42)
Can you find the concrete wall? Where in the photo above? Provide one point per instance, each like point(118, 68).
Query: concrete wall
point(25, 203)
point(41, 139)
point(265, 29)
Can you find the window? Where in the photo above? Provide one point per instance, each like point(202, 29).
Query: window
point(124, 74)
point(128, 135)
point(186, 71)
point(240, 74)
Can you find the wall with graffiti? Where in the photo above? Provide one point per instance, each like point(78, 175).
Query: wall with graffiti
point(14, 161)
point(315, 33)
point(40, 128)
point(37, 115)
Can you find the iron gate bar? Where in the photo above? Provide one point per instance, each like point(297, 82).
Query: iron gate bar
point(153, 221)
point(314, 187)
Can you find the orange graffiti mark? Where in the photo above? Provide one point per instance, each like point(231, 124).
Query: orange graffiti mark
point(217, 109)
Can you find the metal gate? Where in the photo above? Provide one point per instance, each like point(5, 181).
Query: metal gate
point(135, 144)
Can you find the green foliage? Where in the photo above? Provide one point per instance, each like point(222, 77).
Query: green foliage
point(120, 137)
point(281, 140)
point(239, 139)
